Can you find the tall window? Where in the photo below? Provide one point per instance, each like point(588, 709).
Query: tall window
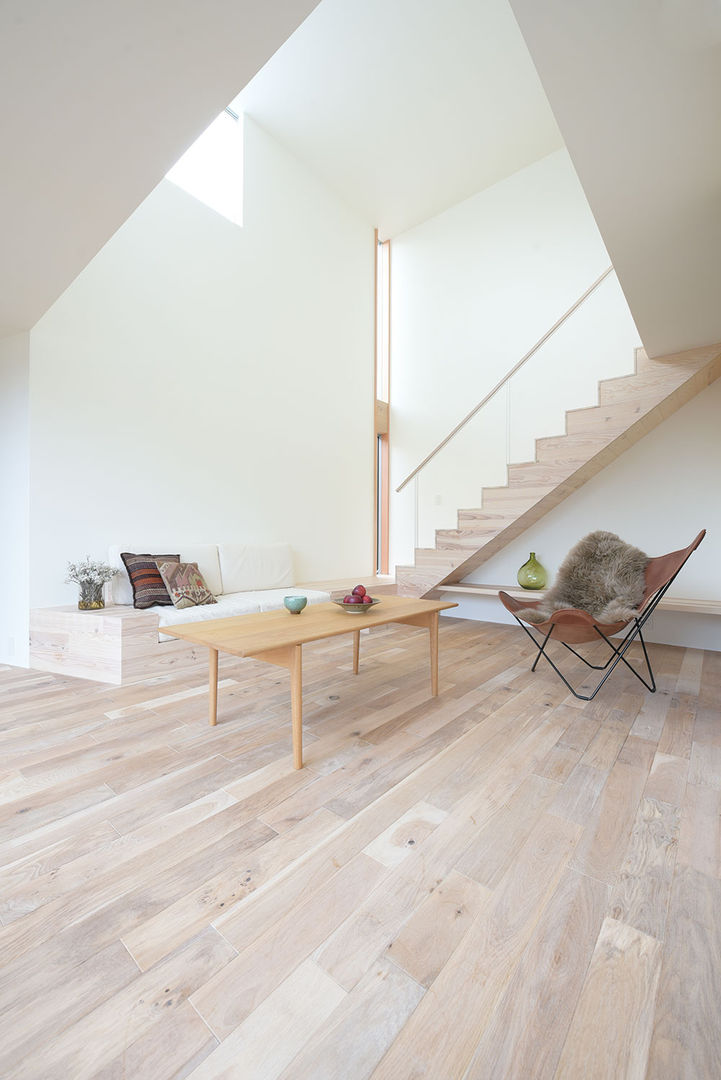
point(211, 170)
point(382, 401)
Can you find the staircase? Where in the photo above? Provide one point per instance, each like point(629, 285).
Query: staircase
point(629, 407)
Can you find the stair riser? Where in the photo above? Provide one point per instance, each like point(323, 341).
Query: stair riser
point(542, 474)
point(435, 558)
point(468, 542)
point(650, 383)
point(480, 520)
point(604, 421)
point(679, 369)
point(513, 501)
point(613, 418)
point(412, 582)
point(571, 451)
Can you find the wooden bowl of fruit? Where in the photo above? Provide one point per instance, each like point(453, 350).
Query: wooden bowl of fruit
point(356, 602)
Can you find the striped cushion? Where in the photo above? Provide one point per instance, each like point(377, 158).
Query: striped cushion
point(148, 586)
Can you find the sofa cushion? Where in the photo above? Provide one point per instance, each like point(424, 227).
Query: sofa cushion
point(147, 584)
point(120, 588)
point(272, 599)
point(245, 567)
point(185, 584)
point(206, 556)
point(226, 607)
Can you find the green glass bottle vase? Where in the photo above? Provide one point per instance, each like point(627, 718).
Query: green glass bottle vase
point(532, 575)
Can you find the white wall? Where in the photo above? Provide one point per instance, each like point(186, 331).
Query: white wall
point(657, 496)
point(472, 290)
point(14, 373)
point(199, 382)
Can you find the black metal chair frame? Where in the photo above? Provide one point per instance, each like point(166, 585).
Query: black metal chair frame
point(617, 656)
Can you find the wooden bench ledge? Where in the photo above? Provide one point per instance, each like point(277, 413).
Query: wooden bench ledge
point(669, 603)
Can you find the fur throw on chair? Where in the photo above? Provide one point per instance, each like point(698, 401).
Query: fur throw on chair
point(601, 575)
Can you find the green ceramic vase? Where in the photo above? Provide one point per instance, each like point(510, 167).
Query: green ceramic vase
point(532, 575)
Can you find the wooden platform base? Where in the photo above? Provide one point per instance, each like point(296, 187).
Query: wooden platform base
point(116, 645)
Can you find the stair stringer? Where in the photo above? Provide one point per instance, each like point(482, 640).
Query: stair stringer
point(452, 566)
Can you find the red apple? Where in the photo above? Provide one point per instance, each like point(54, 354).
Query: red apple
point(360, 590)
point(367, 599)
point(347, 599)
point(354, 600)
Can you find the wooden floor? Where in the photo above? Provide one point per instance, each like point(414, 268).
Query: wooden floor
point(500, 882)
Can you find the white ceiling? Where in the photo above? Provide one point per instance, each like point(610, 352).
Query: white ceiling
point(405, 107)
point(636, 89)
point(97, 101)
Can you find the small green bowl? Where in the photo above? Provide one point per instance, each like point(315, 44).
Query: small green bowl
point(295, 604)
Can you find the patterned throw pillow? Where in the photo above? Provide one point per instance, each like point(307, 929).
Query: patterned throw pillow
point(185, 584)
point(148, 586)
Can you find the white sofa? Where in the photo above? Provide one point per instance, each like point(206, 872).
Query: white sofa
point(244, 578)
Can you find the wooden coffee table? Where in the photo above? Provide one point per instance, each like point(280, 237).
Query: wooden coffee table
point(277, 637)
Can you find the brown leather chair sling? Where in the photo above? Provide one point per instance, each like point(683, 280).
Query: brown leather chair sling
point(572, 626)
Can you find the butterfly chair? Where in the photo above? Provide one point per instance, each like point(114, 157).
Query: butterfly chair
point(572, 626)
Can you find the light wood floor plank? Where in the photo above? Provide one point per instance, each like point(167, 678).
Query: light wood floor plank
point(441, 1037)
point(225, 1001)
point(359, 1031)
point(667, 779)
point(262, 1046)
point(436, 928)
point(677, 735)
point(529, 1028)
point(321, 918)
point(63, 1002)
point(612, 1026)
point(81, 1050)
point(687, 1006)
point(640, 896)
point(353, 947)
point(494, 848)
point(689, 677)
point(705, 765)
point(69, 930)
point(707, 727)
point(397, 842)
point(603, 846)
point(700, 839)
point(578, 796)
point(161, 934)
point(164, 1052)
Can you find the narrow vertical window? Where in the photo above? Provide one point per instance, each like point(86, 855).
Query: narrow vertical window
point(382, 400)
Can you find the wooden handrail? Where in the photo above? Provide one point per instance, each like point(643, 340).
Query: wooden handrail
point(504, 380)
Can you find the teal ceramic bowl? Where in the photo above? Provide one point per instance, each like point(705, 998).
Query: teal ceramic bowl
point(295, 604)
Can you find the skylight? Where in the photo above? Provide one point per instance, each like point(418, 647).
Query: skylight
point(211, 170)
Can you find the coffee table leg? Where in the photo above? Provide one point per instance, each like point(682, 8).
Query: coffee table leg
point(213, 686)
point(296, 704)
point(433, 632)
point(356, 650)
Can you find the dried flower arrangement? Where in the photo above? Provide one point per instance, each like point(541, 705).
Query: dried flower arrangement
point(90, 575)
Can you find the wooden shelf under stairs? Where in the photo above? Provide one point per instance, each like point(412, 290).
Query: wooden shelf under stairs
point(688, 605)
point(628, 408)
